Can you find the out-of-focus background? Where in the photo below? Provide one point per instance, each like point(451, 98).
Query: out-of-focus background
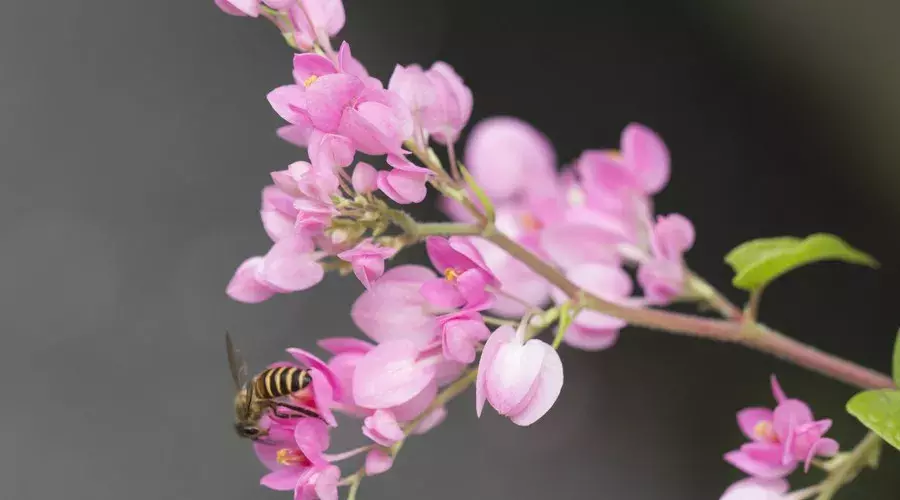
point(135, 138)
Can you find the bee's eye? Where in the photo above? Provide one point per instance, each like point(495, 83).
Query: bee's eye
point(251, 431)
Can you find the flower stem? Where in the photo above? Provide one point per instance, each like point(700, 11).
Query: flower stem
point(446, 229)
point(759, 337)
point(851, 465)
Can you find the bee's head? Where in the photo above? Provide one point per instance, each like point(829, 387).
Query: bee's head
point(247, 431)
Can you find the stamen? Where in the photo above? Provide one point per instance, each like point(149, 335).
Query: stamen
point(450, 274)
point(531, 222)
point(309, 81)
point(287, 456)
point(763, 430)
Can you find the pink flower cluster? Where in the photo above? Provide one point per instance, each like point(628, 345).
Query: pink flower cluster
point(780, 439)
point(588, 220)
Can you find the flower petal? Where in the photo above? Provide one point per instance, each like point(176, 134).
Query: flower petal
point(501, 336)
point(431, 421)
point(509, 157)
point(512, 374)
point(572, 244)
point(591, 339)
point(289, 101)
point(326, 390)
point(389, 375)
point(411, 409)
point(309, 64)
point(394, 309)
point(756, 489)
point(341, 345)
point(282, 479)
point(378, 461)
point(757, 468)
point(289, 268)
point(327, 98)
point(777, 392)
point(748, 418)
point(244, 285)
point(442, 294)
point(311, 436)
point(788, 415)
point(825, 447)
point(549, 385)
point(647, 156)
point(297, 134)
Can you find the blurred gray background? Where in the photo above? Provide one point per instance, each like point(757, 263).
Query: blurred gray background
point(135, 138)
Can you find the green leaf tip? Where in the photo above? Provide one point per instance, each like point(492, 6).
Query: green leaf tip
point(758, 262)
point(879, 410)
point(896, 363)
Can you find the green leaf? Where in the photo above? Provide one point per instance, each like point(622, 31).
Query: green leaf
point(879, 410)
point(758, 262)
point(897, 360)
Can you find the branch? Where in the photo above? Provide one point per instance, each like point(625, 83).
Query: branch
point(754, 335)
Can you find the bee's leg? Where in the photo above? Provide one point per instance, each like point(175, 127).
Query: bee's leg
point(299, 409)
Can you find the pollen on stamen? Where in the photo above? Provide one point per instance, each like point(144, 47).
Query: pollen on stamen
point(450, 274)
point(531, 222)
point(287, 456)
point(309, 81)
point(763, 430)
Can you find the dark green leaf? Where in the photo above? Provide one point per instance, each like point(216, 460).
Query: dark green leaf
point(758, 262)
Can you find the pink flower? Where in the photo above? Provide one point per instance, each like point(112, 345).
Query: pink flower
point(330, 151)
point(347, 352)
point(290, 266)
point(365, 178)
point(382, 427)
point(646, 157)
point(367, 259)
point(378, 461)
point(662, 276)
point(315, 20)
point(295, 452)
point(780, 439)
point(449, 112)
point(460, 333)
point(521, 380)
point(466, 276)
point(756, 489)
point(277, 213)
point(518, 280)
point(591, 330)
point(239, 7)
point(394, 309)
point(439, 101)
point(405, 182)
point(417, 91)
point(391, 374)
point(246, 286)
point(318, 483)
point(511, 160)
point(344, 101)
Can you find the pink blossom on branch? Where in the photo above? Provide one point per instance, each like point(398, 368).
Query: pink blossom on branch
point(520, 379)
point(780, 439)
point(757, 489)
point(367, 260)
point(466, 278)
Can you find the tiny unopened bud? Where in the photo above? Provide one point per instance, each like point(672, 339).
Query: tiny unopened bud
point(364, 178)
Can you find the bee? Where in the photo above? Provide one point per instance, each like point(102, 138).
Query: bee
point(262, 392)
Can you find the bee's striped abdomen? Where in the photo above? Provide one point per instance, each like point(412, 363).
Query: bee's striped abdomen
point(281, 381)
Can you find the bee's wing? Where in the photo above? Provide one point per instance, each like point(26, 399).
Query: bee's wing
point(235, 363)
